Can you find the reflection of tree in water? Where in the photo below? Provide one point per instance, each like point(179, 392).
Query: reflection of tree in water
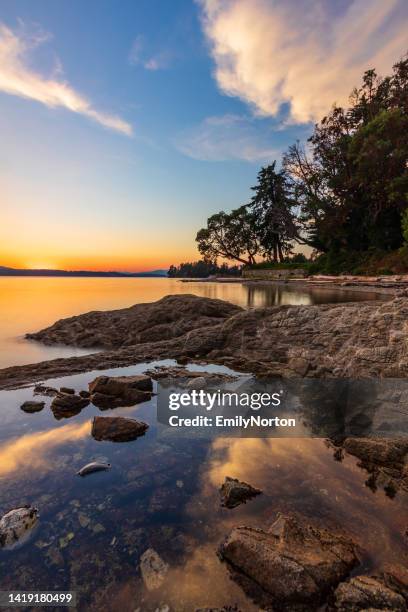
point(261, 295)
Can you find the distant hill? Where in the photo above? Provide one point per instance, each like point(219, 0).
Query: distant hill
point(22, 272)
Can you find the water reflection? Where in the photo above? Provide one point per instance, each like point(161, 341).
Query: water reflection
point(32, 451)
point(164, 495)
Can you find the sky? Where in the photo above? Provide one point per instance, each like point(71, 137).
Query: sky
point(124, 125)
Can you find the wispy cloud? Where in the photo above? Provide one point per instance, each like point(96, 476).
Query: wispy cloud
point(226, 137)
point(139, 57)
point(299, 52)
point(19, 79)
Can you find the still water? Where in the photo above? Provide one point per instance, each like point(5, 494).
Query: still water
point(30, 304)
point(164, 495)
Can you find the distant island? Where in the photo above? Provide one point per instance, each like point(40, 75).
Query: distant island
point(4, 271)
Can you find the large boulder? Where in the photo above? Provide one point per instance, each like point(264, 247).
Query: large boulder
point(292, 566)
point(114, 391)
point(117, 429)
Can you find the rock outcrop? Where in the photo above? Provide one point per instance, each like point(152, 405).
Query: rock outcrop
point(292, 567)
point(117, 429)
point(170, 317)
point(357, 340)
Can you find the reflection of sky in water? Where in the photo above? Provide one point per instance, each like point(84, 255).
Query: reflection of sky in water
point(165, 495)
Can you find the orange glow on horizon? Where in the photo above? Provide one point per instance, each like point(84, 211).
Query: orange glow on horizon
point(98, 263)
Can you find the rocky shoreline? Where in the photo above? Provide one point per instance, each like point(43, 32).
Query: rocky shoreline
point(356, 339)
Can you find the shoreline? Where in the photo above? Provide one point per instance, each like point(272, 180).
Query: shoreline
point(363, 339)
point(383, 287)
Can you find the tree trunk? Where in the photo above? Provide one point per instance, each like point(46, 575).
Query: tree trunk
point(280, 251)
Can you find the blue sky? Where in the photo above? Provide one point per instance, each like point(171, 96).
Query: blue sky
point(126, 124)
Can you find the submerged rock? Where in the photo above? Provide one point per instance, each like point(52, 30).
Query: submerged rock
point(67, 390)
point(153, 569)
point(386, 460)
point(114, 391)
point(32, 406)
point(117, 429)
point(16, 525)
point(367, 593)
point(292, 566)
point(197, 383)
point(44, 390)
point(94, 466)
point(85, 394)
point(234, 492)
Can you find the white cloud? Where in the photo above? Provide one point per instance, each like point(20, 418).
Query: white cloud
point(138, 57)
point(19, 79)
point(274, 52)
point(226, 137)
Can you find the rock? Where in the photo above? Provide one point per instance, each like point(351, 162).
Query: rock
point(44, 390)
point(364, 593)
point(170, 317)
point(16, 525)
point(94, 466)
point(233, 492)
point(117, 429)
point(106, 402)
point(32, 406)
point(386, 459)
point(395, 577)
point(67, 390)
point(114, 391)
point(292, 566)
point(197, 383)
point(153, 569)
point(84, 394)
point(66, 405)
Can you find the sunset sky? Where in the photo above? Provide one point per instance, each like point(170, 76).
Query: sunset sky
point(126, 123)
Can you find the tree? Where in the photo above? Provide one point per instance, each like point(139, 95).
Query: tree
point(352, 187)
point(273, 210)
point(230, 236)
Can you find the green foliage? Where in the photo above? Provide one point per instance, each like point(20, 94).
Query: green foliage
point(202, 269)
point(273, 210)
